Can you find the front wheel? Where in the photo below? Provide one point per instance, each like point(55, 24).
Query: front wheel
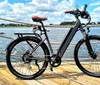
point(83, 59)
point(24, 63)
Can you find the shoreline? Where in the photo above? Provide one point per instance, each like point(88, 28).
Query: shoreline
point(14, 27)
point(51, 26)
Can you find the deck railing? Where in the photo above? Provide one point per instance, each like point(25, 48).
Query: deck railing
point(55, 46)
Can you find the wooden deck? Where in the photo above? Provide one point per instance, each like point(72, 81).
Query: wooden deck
point(66, 74)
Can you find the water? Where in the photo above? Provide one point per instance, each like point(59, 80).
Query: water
point(55, 35)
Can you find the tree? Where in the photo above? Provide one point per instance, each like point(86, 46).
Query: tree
point(98, 22)
point(67, 23)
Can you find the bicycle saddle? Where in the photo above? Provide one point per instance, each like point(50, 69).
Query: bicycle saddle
point(38, 19)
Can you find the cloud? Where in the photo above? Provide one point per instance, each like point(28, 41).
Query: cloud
point(95, 13)
point(97, 9)
point(52, 9)
point(95, 3)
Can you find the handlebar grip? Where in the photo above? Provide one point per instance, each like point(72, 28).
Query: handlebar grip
point(71, 11)
point(85, 6)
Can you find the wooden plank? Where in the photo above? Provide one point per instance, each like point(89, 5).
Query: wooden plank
point(32, 82)
point(57, 77)
point(45, 81)
point(66, 74)
point(74, 75)
point(7, 78)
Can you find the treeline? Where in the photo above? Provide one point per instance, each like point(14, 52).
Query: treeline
point(14, 25)
point(28, 25)
point(73, 23)
point(67, 23)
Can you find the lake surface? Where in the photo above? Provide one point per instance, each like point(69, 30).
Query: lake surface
point(55, 35)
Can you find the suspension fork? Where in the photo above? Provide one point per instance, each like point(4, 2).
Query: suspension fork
point(88, 45)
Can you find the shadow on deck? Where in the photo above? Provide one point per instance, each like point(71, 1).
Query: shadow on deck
point(66, 74)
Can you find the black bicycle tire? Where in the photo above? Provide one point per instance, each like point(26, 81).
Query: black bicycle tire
point(14, 43)
point(76, 56)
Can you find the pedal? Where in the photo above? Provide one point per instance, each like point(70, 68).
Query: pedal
point(51, 68)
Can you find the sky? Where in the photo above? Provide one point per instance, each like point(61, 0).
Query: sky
point(23, 10)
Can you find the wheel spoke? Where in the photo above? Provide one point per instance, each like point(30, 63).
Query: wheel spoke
point(21, 60)
point(90, 66)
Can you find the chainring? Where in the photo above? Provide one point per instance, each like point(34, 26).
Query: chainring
point(55, 62)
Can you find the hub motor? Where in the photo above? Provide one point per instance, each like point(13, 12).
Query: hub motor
point(26, 57)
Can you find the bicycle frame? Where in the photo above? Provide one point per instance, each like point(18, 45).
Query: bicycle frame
point(68, 39)
point(64, 45)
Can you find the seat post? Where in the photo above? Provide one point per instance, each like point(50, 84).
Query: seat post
point(42, 25)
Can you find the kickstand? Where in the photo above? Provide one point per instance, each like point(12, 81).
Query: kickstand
point(36, 63)
point(51, 68)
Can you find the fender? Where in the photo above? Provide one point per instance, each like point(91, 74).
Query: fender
point(24, 38)
point(16, 40)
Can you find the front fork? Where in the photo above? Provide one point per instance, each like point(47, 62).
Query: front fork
point(88, 45)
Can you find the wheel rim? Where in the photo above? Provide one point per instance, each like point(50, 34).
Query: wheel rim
point(87, 63)
point(22, 68)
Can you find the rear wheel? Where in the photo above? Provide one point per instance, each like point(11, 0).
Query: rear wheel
point(23, 64)
point(83, 59)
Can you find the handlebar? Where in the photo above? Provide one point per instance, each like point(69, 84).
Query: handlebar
point(84, 14)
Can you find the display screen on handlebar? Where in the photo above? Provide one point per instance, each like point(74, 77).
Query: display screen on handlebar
point(83, 14)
